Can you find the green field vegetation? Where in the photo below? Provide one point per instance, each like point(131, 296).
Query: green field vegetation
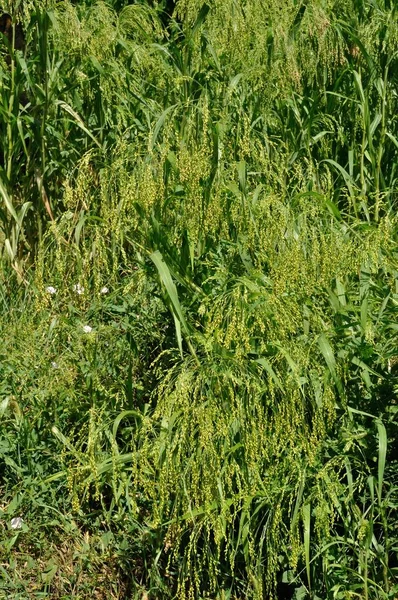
point(199, 300)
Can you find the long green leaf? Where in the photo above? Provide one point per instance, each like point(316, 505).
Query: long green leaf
point(169, 284)
point(78, 120)
point(179, 319)
point(267, 366)
point(307, 540)
point(8, 201)
point(382, 455)
point(159, 124)
point(328, 355)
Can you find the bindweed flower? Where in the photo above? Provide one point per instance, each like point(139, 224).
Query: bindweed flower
point(16, 523)
point(87, 329)
point(78, 289)
point(51, 290)
point(104, 290)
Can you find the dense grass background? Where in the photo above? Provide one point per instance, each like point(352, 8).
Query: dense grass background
point(198, 300)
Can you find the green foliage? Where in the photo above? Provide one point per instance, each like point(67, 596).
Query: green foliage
point(198, 292)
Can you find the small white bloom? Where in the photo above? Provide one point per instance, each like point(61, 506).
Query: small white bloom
point(54, 364)
point(16, 523)
point(87, 329)
point(78, 289)
point(51, 290)
point(104, 290)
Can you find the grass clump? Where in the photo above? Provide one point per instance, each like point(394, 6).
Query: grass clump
point(198, 291)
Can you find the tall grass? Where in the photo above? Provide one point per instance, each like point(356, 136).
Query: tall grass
point(198, 292)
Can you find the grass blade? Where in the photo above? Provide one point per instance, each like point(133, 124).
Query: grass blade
point(382, 456)
point(328, 355)
point(307, 540)
point(179, 319)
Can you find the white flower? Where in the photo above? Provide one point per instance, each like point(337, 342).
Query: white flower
point(51, 290)
point(78, 289)
point(104, 290)
point(87, 329)
point(54, 364)
point(16, 523)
